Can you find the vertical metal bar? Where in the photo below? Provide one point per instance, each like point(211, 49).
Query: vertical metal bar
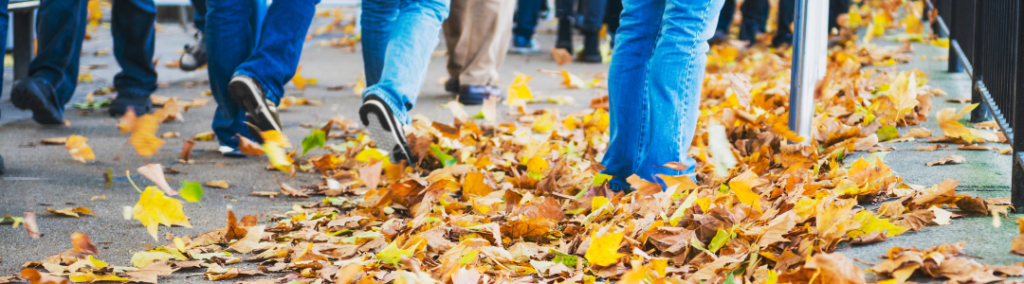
point(954, 58)
point(810, 35)
point(1017, 117)
point(24, 45)
point(979, 63)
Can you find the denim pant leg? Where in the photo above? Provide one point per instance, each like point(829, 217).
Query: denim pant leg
point(526, 17)
point(276, 56)
point(755, 19)
point(639, 23)
point(4, 20)
point(414, 36)
point(230, 39)
point(132, 26)
point(377, 19)
point(725, 17)
point(593, 15)
point(199, 15)
point(674, 86)
point(60, 30)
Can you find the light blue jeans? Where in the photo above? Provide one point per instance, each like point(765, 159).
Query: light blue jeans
point(398, 38)
point(654, 86)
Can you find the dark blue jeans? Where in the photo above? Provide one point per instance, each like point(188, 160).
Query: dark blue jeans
point(60, 29)
point(4, 20)
point(527, 12)
point(588, 15)
point(199, 14)
point(239, 44)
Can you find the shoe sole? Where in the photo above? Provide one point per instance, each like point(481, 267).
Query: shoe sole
point(384, 130)
point(33, 100)
point(244, 93)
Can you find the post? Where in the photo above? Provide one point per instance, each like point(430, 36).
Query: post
point(24, 45)
point(980, 113)
point(810, 49)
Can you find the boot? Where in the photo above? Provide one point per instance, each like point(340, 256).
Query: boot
point(591, 47)
point(564, 38)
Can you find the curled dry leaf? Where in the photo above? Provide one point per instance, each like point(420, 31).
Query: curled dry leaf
point(155, 174)
point(561, 56)
point(949, 160)
point(78, 149)
point(186, 150)
point(35, 277)
point(81, 244)
point(30, 224)
point(218, 184)
point(72, 212)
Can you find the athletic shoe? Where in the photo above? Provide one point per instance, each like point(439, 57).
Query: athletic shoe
point(36, 95)
point(591, 48)
point(231, 152)
point(524, 45)
point(384, 128)
point(259, 111)
point(476, 94)
point(452, 85)
point(120, 105)
point(195, 55)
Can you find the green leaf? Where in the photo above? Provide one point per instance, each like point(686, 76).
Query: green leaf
point(446, 160)
point(191, 191)
point(720, 239)
point(316, 138)
point(392, 254)
point(600, 179)
point(564, 258)
point(887, 133)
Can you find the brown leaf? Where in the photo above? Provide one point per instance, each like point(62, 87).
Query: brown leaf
point(561, 56)
point(949, 160)
point(82, 245)
point(917, 219)
point(975, 205)
point(930, 148)
point(248, 147)
point(778, 228)
point(919, 133)
point(186, 150)
point(233, 230)
point(474, 184)
point(526, 227)
point(218, 184)
point(30, 225)
point(35, 277)
point(874, 237)
point(1017, 245)
point(290, 191)
point(891, 209)
point(72, 212)
point(370, 174)
point(151, 272)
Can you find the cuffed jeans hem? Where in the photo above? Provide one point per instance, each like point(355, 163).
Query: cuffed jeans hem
point(400, 111)
point(618, 184)
point(135, 92)
point(267, 91)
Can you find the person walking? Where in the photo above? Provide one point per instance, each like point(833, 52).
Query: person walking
point(251, 57)
point(195, 54)
point(53, 74)
point(654, 86)
point(398, 38)
point(477, 35)
point(4, 20)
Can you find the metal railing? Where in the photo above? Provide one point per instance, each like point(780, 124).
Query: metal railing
point(985, 41)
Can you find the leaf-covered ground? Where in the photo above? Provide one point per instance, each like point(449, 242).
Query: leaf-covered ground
point(523, 201)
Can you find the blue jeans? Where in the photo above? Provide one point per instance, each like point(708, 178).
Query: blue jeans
point(4, 20)
point(398, 38)
point(199, 15)
point(588, 15)
point(61, 28)
point(526, 18)
point(654, 86)
point(237, 44)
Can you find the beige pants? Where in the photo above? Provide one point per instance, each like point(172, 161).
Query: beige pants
point(477, 34)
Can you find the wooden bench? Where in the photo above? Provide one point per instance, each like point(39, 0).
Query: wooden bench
point(24, 27)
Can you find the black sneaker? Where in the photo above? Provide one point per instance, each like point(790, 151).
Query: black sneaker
point(195, 55)
point(476, 94)
point(564, 37)
point(452, 85)
point(249, 95)
point(120, 105)
point(36, 95)
point(591, 48)
point(384, 128)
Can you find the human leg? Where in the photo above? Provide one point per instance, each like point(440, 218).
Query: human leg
point(132, 26)
point(674, 87)
point(784, 32)
point(230, 39)
point(479, 51)
point(590, 27)
point(376, 21)
point(628, 105)
point(407, 53)
point(526, 24)
point(456, 39)
point(755, 17)
point(53, 74)
point(564, 11)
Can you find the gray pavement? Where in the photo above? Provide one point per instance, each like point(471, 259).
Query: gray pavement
point(41, 177)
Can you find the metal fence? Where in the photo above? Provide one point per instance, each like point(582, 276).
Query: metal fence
point(985, 41)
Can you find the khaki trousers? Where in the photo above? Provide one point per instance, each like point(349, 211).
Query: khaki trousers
point(477, 34)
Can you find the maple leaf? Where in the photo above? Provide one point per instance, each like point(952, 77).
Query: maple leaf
point(742, 185)
point(250, 242)
point(518, 92)
point(904, 93)
point(301, 82)
point(78, 149)
point(949, 122)
point(603, 251)
point(154, 209)
point(143, 137)
point(150, 273)
point(474, 185)
point(870, 223)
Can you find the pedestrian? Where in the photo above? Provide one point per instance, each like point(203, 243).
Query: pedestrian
point(398, 38)
point(754, 20)
point(654, 86)
point(195, 54)
point(251, 56)
point(585, 15)
point(4, 20)
point(53, 74)
point(477, 34)
point(527, 12)
point(611, 19)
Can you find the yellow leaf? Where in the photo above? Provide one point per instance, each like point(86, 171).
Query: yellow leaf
point(154, 209)
point(572, 81)
point(276, 137)
point(949, 122)
point(904, 94)
point(570, 123)
point(742, 185)
point(89, 276)
point(143, 136)
point(474, 185)
point(870, 223)
point(78, 149)
point(301, 82)
point(360, 87)
point(544, 123)
point(392, 254)
point(603, 250)
point(205, 136)
point(518, 92)
point(145, 258)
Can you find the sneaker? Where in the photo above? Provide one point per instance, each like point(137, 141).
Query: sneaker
point(564, 37)
point(230, 152)
point(38, 96)
point(384, 128)
point(259, 111)
point(120, 105)
point(476, 94)
point(195, 55)
point(524, 45)
point(452, 85)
